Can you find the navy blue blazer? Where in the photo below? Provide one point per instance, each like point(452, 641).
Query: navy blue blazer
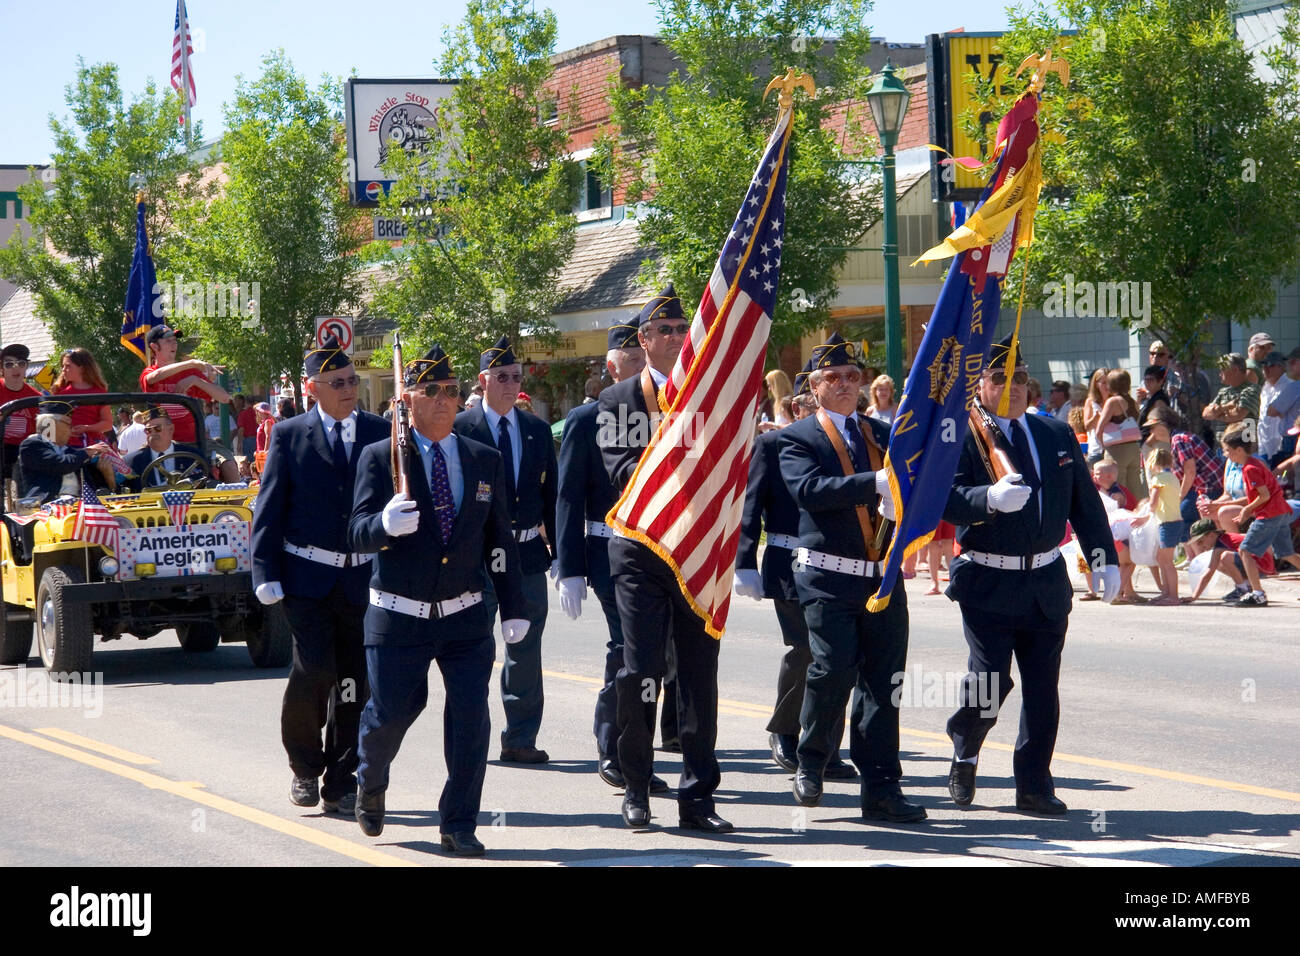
point(1068, 495)
point(141, 459)
point(44, 464)
point(585, 494)
point(417, 565)
point(768, 504)
point(304, 500)
point(534, 502)
point(827, 501)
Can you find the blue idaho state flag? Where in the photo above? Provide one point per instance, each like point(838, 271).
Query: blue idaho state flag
point(138, 315)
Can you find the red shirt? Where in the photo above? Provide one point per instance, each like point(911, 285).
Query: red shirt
point(247, 422)
point(83, 414)
point(1257, 475)
point(1130, 502)
point(264, 434)
point(1232, 541)
point(180, 417)
point(23, 423)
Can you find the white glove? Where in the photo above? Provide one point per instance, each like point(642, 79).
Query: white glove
point(400, 516)
point(749, 583)
point(554, 571)
point(1106, 582)
point(886, 499)
point(270, 592)
point(1008, 495)
point(573, 591)
point(514, 630)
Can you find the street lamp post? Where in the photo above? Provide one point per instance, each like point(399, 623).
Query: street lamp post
point(888, 99)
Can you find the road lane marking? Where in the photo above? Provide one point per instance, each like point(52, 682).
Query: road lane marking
point(189, 791)
point(742, 708)
point(108, 750)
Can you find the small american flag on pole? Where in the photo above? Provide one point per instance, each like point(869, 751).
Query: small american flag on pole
point(178, 506)
point(182, 74)
point(94, 523)
point(685, 498)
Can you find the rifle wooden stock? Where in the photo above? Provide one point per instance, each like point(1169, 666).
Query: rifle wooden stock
point(401, 425)
point(985, 430)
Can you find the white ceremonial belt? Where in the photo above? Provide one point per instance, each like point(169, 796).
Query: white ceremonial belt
point(833, 562)
point(787, 541)
point(334, 559)
point(424, 609)
point(598, 529)
point(527, 534)
point(1012, 562)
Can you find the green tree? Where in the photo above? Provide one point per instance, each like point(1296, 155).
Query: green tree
point(1176, 164)
point(689, 148)
point(78, 259)
point(282, 226)
point(493, 194)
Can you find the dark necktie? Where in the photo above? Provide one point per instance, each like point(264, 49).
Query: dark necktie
point(444, 505)
point(340, 449)
point(508, 453)
point(857, 447)
point(1025, 462)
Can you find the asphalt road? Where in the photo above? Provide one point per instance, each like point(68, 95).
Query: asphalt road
point(1176, 748)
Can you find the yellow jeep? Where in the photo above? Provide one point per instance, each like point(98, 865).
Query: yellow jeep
point(195, 578)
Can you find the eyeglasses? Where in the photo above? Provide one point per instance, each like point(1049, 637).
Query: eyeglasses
point(448, 389)
point(1000, 378)
point(15, 364)
point(503, 377)
point(834, 378)
point(351, 381)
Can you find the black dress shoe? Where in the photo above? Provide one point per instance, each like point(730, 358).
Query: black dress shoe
point(370, 813)
point(837, 769)
point(304, 792)
point(346, 804)
point(807, 788)
point(708, 822)
point(961, 782)
point(658, 784)
point(783, 751)
point(636, 810)
point(1040, 803)
point(523, 755)
point(893, 807)
point(610, 773)
point(462, 844)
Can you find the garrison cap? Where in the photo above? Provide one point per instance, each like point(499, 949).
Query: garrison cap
point(622, 335)
point(54, 406)
point(497, 356)
point(329, 357)
point(801, 386)
point(434, 367)
point(156, 412)
point(834, 351)
point(665, 305)
point(998, 353)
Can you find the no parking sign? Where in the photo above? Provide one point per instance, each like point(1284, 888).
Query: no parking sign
point(340, 326)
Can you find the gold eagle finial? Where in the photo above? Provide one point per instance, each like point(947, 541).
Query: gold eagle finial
point(1042, 66)
point(787, 84)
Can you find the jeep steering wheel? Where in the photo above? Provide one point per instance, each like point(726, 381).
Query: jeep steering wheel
point(192, 475)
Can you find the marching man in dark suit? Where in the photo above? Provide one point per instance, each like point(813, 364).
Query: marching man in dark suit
point(1011, 581)
point(768, 506)
point(436, 548)
point(301, 557)
point(528, 451)
point(653, 612)
point(833, 465)
point(584, 498)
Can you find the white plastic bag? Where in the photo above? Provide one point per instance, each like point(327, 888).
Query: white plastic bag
point(1144, 542)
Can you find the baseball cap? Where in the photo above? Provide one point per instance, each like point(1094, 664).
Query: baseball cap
point(1260, 338)
point(1199, 527)
point(1274, 358)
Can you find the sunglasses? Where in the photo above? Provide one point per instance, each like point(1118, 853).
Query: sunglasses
point(834, 378)
point(1000, 378)
point(153, 429)
point(503, 377)
point(447, 389)
point(667, 330)
point(15, 364)
point(351, 381)
point(1158, 353)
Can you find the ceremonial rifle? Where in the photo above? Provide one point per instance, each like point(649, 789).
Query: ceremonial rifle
point(985, 431)
point(401, 424)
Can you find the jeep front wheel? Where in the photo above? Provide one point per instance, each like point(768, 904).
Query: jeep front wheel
point(65, 636)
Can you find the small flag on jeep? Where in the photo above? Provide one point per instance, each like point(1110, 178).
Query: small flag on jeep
point(178, 506)
point(94, 523)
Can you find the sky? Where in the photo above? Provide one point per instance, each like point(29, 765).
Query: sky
point(395, 38)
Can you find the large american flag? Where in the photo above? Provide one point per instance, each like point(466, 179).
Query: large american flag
point(685, 499)
point(94, 523)
point(182, 50)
